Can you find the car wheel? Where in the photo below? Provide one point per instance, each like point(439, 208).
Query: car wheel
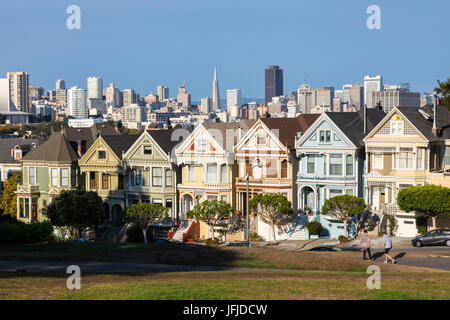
point(447, 243)
point(418, 244)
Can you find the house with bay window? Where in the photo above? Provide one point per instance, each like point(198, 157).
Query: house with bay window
point(206, 160)
point(331, 162)
point(266, 155)
point(47, 170)
point(405, 149)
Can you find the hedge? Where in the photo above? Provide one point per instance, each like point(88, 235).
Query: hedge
point(23, 233)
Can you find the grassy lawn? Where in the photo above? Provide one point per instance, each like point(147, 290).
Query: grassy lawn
point(178, 254)
point(228, 285)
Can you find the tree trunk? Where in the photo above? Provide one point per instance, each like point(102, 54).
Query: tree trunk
point(273, 231)
point(345, 228)
point(433, 219)
point(144, 233)
point(212, 231)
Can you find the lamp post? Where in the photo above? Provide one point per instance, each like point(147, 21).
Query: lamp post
point(248, 209)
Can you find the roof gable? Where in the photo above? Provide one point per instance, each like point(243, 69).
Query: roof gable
point(55, 149)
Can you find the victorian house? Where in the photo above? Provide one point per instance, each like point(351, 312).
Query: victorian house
point(405, 149)
point(267, 161)
point(332, 156)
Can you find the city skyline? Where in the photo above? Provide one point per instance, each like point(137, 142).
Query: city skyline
point(381, 50)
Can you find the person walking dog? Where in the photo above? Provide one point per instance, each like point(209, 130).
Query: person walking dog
point(365, 245)
point(387, 241)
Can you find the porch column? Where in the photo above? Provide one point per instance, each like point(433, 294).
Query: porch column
point(18, 207)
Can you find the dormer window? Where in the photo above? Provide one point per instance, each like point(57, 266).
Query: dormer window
point(102, 154)
point(148, 150)
point(397, 125)
point(325, 136)
point(17, 152)
point(260, 140)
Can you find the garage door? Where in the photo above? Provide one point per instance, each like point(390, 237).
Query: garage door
point(406, 227)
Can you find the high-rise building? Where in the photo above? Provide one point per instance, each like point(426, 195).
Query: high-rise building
point(372, 84)
point(77, 103)
point(60, 84)
point(5, 105)
point(206, 105)
point(392, 98)
point(162, 92)
point(274, 82)
point(18, 91)
point(95, 87)
point(183, 97)
point(357, 96)
point(112, 95)
point(234, 97)
point(133, 113)
point(129, 97)
point(36, 93)
point(215, 93)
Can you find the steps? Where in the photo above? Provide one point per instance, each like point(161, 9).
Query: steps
point(298, 234)
point(182, 229)
point(298, 231)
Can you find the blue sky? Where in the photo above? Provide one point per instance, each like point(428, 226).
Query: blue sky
point(139, 44)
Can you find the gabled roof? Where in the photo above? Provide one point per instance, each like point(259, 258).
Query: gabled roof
point(120, 143)
point(425, 125)
point(288, 127)
point(74, 135)
point(6, 145)
point(226, 127)
point(164, 137)
point(55, 149)
point(352, 123)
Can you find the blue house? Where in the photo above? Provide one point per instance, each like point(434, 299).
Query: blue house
point(331, 163)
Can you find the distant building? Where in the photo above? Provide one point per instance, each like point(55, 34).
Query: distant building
point(129, 97)
point(234, 98)
point(18, 91)
point(215, 93)
point(76, 102)
point(95, 87)
point(113, 95)
point(206, 105)
point(134, 113)
point(162, 92)
point(274, 82)
point(60, 84)
point(372, 84)
point(83, 123)
point(36, 93)
point(184, 98)
point(390, 99)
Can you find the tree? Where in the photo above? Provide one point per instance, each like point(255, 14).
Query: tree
point(211, 212)
point(444, 90)
point(8, 199)
point(76, 210)
point(343, 208)
point(273, 209)
point(145, 214)
point(430, 199)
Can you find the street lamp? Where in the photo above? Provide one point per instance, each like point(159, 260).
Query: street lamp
point(259, 165)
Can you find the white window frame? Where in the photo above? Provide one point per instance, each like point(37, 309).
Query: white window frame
point(33, 183)
point(325, 136)
point(62, 177)
point(168, 177)
point(154, 170)
point(211, 179)
point(397, 127)
point(191, 172)
point(374, 162)
point(224, 173)
point(54, 178)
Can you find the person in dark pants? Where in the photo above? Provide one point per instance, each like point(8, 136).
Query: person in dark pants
point(365, 245)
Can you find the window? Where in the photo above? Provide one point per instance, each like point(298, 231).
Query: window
point(224, 173)
point(325, 136)
point(32, 175)
point(105, 184)
point(64, 177)
point(191, 172)
point(349, 165)
point(261, 140)
point(168, 178)
point(169, 206)
point(94, 180)
point(120, 182)
point(396, 127)
point(138, 177)
point(73, 177)
point(224, 198)
point(406, 158)
point(284, 169)
point(310, 164)
point(157, 176)
point(248, 167)
point(148, 150)
point(420, 158)
point(211, 173)
point(54, 173)
point(210, 198)
point(271, 168)
point(349, 192)
point(335, 164)
point(377, 161)
point(335, 192)
point(102, 154)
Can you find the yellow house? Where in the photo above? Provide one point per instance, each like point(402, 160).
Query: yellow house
point(207, 165)
point(402, 151)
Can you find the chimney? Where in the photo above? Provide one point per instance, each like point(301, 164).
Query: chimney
point(434, 129)
point(365, 119)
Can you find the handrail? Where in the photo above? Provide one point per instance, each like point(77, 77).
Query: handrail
point(188, 230)
point(172, 233)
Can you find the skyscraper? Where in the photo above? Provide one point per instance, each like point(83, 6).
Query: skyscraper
point(372, 84)
point(274, 82)
point(206, 105)
point(215, 93)
point(60, 84)
point(129, 97)
point(95, 87)
point(234, 98)
point(183, 97)
point(112, 95)
point(76, 102)
point(18, 91)
point(162, 92)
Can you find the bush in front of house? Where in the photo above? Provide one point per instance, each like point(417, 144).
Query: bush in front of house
point(254, 236)
point(314, 228)
point(342, 239)
point(24, 233)
point(212, 242)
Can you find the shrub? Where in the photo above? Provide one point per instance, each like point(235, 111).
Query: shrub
point(421, 229)
point(314, 228)
point(212, 242)
point(23, 233)
point(342, 239)
point(254, 237)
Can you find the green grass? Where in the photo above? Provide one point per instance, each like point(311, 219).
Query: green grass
point(228, 285)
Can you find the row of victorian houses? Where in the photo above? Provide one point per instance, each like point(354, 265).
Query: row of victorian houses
point(308, 159)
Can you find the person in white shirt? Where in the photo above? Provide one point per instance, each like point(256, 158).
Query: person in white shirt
point(387, 241)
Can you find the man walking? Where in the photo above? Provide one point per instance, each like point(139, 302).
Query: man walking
point(365, 245)
point(387, 241)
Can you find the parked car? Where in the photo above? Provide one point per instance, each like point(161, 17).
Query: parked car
point(437, 237)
